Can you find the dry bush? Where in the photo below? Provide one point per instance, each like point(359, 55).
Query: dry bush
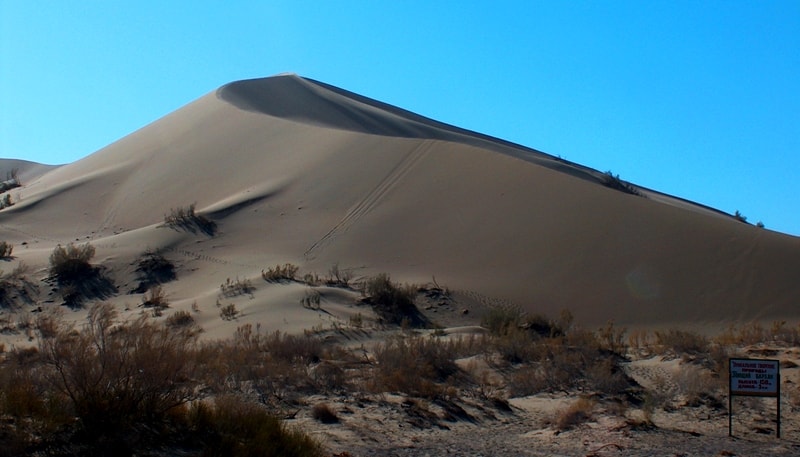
point(311, 299)
point(6, 249)
point(285, 272)
point(323, 413)
point(232, 427)
point(577, 413)
point(115, 376)
point(180, 319)
point(612, 339)
point(228, 312)
point(416, 366)
point(76, 277)
point(339, 277)
point(6, 201)
point(516, 346)
point(70, 263)
point(755, 333)
point(16, 288)
point(153, 269)
point(679, 342)
point(500, 320)
point(185, 218)
point(236, 287)
point(155, 298)
point(393, 303)
point(275, 368)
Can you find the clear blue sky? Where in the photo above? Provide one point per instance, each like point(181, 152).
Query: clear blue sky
point(697, 99)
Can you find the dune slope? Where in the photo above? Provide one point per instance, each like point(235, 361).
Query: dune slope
point(293, 170)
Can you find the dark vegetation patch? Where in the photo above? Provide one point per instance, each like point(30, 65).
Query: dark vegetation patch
point(77, 279)
point(153, 269)
point(187, 219)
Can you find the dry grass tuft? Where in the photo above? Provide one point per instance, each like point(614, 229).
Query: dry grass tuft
point(577, 413)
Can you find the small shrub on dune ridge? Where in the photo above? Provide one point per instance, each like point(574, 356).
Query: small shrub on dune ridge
point(285, 272)
point(185, 218)
point(237, 287)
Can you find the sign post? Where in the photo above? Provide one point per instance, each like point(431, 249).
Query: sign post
point(754, 378)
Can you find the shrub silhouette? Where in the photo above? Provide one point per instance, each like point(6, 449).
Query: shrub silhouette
point(187, 219)
point(392, 303)
point(115, 376)
point(153, 269)
point(6, 249)
point(76, 277)
point(70, 263)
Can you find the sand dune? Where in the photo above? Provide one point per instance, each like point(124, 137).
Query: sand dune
point(293, 170)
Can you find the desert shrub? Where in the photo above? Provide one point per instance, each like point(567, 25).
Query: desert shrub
point(6, 249)
point(517, 346)
point(339, 277)
point(501, 319)
point(153, 269)
point(185, 218)
point(681, 342)
point(311, 299)
point(285, 272)
point(416, 366)
point(323, 413)
point(12, 181)
point(613, 181)
point(228, 312)
point(16, 288)
point(76, 277)
point(115, 376)
point(393, 303)
point(180, 319)
point(612, 338)
point(6, 201)
point(236, 287)
point(232, 427)
point(155, 298)
point(577, 413)
point(70, 263)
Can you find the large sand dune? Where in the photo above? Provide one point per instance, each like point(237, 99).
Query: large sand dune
point(292, 170)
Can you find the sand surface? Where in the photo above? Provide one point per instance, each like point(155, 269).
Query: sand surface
point(290, 170)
